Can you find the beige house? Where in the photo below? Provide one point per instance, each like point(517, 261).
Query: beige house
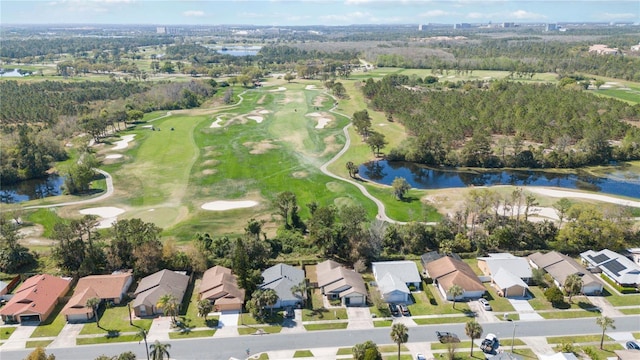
point(447, 271)
point(110, 288)
point(560, 266)
point(220, 287)
point(153, 287)
point(338, 282)
point(35, 299)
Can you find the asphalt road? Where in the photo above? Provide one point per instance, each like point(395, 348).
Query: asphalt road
point(224, 348)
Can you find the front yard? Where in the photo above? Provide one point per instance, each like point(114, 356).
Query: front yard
point(539, 301)
point(115, 318)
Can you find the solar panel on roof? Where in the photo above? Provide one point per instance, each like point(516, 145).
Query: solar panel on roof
point(614, 266)
point(599, 258)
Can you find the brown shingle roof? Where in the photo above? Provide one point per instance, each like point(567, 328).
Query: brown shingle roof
point(332, 276)
point(218, 283)
point(104, 287)
point(449, 271)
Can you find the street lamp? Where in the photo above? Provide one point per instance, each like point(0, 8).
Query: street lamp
point(513, 336)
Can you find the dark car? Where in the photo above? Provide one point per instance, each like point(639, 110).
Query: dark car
point(289, 313)
point(393, 308)
point(447, 337)
point(632, 345)
point(404, 310)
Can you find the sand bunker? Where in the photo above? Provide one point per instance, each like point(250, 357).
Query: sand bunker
point(113, 156)
point(279, 89)
point(208, 172)
point(223, 205)
point(314, 114)
point(263, 112)
point(310, 87)
point(122, 144)
point(322, 122)
point(260, 147)
point(107, 214)
point(147, 126)
point(216, 124)
point(257, 119)
point(580, 195)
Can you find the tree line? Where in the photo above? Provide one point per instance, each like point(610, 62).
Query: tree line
point(506, 124)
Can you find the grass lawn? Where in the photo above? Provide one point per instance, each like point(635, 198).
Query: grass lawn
point(429, 302)
point(37, 343)
point(620, 300)
point(392, 348)
point(382, 323)
point(394, 357)
point(53, 325)
point(251, 330)
point(636, 335)
point(115, 318)
point(569, 314)
point(324, 314)
point(302, 354)
point(191, 334)
point(6, 332)
point(510, 316)
point(247, 319)
point(327, 326)
point(630, 311)
point(498, 303)
point(460, 345)
point(190, 317)
point(507, 342)
point(107, 340)
point(576, 339)
point(263, 356)
point(605, 353)
point(442, 320)
point(539, 302)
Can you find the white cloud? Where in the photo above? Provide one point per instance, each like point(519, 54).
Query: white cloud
point(525, 15)
point(350, 17)
point(193, 13)
point(610, 16)
point(506, 16)
point(434, 13)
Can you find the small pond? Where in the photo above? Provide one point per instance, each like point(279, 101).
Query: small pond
point(12, 73)
point(238, 50)
point(32, 189)
point(384, 172)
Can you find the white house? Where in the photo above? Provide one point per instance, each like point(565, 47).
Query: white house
point(622, 270)
point(394, 279)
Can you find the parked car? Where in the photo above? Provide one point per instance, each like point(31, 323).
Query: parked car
point(289, 313)
point(485, 304)
point(447, 337)
point(393, 308)
point(490, 344)
point(404, 310)
point(420, 357)
point(632, 345)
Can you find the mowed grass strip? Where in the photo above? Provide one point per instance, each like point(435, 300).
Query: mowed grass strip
point(191, 334)
point(326, 326)
point(106, 339)
point(563, 314)
point(37, 343)
point(576, 339)
point(442, 320)
point(302, 354)
point(259, 329)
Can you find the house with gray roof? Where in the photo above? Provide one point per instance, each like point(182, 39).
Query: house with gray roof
point(394, 279)
point(560, 266)
point(281, 278)
point(153, 287)
point(622, 270)
point(509, 274)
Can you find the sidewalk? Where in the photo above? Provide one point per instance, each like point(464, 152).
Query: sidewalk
point(19, 338)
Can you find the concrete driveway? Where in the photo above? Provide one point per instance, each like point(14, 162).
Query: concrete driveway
point(524, 309)
point(228, 324)
point(294, 325)
point(67, 336)
point(359, 318)
point(18, 340)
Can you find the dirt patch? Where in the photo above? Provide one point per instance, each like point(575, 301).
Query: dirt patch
point(281, 88)
point(257, 119)
point(223, 205)
point(263, 112)
point(261, 100)
point(260, 147)
point(216, 124)
point(310, 87)
point(300, 174)
point(319, 100)
point(209, 171)
point(211, 162)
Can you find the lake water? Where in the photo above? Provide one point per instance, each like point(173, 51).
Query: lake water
point(10, 73)
point(32, 189)
point(384, 172)
point(239, 50)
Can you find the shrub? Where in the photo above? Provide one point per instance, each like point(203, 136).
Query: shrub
point(554, 295)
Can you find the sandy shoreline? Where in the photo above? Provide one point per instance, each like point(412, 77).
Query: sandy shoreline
point(581, 195)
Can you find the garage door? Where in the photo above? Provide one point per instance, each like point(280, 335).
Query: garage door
point(396, 297)
point(29, 318)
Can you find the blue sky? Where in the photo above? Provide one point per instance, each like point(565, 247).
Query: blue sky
point(314, 12)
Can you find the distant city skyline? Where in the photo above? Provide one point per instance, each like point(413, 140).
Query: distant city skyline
point(315, 12)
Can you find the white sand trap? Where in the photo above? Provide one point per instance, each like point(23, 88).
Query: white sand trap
point(382, 124)
point(314, 114)
point(580, 195)
point(310, 87)
point(113, 156)
point(451, 77)
point(122, 144)
point(216, 124)
point(223, 205)
point(279, 89)
point(147, 126)
point(107, 214)
point(257, 119)
point(263, 112)
point(322, 122)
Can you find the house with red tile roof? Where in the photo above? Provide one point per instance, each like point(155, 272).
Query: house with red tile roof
point(111, 288)
point(35, 299)
point(220, 287)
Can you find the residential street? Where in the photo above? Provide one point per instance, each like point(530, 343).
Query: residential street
point(224, 348)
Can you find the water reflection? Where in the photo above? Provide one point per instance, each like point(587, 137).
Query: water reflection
point(32, 189)
point(427, 178)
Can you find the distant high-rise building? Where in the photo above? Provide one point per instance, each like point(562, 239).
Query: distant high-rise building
point(508, 25)
point(551, 27)
point(462, 26)
point(161, 30)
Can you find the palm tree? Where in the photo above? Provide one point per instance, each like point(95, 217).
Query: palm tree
point(169, 305)
point(204, 308)
point(474, 331)
point(604, 322)
point(300, 291)
point(399, 335)
point(159, 350)
point(143, 334)
point(573, 285)
point(270, 298)
point(93, 303)
point(455, 291)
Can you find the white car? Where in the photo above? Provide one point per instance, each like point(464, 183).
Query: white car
point(420, 357)
point(485, 304)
